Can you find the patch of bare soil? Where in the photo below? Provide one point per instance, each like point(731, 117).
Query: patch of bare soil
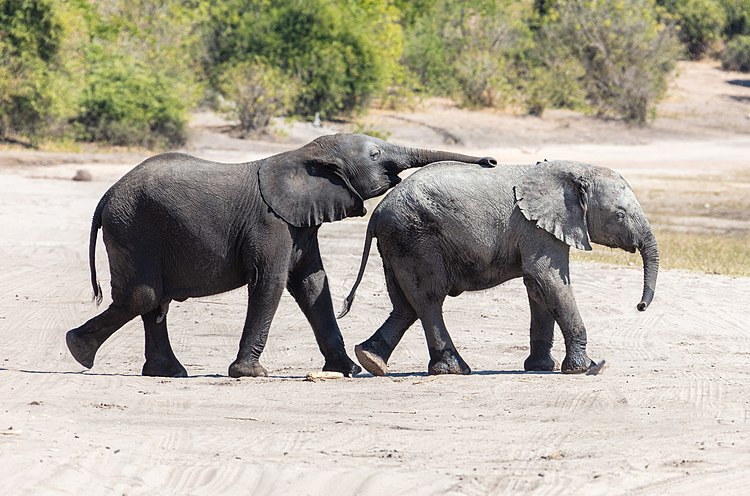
point(669, 414)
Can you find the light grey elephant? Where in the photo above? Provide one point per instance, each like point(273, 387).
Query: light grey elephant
point(177, 227)
point(448, 229)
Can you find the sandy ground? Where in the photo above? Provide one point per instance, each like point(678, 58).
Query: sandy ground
point(669, 415)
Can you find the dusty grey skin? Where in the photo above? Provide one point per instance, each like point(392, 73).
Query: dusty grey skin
point(177, 227)
point(448, 229)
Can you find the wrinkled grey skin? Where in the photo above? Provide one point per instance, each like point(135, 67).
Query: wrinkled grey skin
point(448, 229)
point(177, 227)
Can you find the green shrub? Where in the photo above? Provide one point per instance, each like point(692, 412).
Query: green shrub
point(470, 50)
point(737, 16)
point(736, 56)
point(320, 43)
point(553, 79)
point(127, 103)
point(625, 54)
point(336, 64)
point(429, 54)
point(30, 37)
point(700, 24)
point(255, 94)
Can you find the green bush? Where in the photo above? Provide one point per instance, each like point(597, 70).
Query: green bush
point(30, 37)
point(320, 43)
point(700, 24)
point(255, 94)
point(140, 72)
point(336, 64)
point(625, 54)
point(128, 71)
point(736, 56)
point(737, 17)
point(127, 103)
point(470, 50)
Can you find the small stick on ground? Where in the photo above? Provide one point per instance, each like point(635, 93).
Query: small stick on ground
point(322, 376)
point(596, 368)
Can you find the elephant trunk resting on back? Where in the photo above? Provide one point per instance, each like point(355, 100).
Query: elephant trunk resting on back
point(448, 229)
point(177, 227)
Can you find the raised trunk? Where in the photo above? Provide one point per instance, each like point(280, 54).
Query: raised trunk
point(650, 254)
point(419, 157)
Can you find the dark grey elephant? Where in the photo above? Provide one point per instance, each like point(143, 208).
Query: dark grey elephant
point(177, 227)
point(448, 229)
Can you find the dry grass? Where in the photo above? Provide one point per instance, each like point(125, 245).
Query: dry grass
point(709, 253)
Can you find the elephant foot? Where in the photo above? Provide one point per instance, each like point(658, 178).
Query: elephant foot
point(247, 369)
point(83, 347)
point(370, 360)
point(450, 362)
point(541, 362)
point(576, 364)
point(163, 368)
point(344, 365)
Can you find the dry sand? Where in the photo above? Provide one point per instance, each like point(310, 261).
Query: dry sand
point(669, 415)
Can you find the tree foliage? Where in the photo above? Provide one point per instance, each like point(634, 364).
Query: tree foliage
point(318, 43)
point(129, 71)
point(737, 18)
point(736, 57)
point(254, 95)
point(700, 24)
point(624, 52)
point(472, 50)
point(30, 38)
point(126, 103)
point(141, 78)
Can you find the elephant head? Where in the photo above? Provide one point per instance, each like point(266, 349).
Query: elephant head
point(580, 204)
point(329, 178)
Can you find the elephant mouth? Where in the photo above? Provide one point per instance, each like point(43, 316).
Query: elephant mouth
point(628, 246)
point(392, 181)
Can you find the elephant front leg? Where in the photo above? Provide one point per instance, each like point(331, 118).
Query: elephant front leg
point(308, 284)
point(160, 359)
point(263, 300)
point(541, 333)
point(552, 288)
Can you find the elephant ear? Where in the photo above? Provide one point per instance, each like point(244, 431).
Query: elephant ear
point(557, 201)
point(309, 193)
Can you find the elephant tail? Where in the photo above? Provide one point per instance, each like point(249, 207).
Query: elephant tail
point(365, 255)
point(96, 223)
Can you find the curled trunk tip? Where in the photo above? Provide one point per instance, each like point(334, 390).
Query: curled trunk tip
point(650, 254)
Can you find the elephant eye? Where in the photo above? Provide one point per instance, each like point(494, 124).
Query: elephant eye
point(375, 154)
point(620, 216)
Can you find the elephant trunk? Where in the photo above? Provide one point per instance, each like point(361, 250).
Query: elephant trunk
point(418, 157)
point(650, 254)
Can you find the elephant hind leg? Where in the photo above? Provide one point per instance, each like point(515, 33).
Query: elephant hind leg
point(444, 357)
point(425, 284)
point(84, 341)
point(160, 359)
point(374, 353)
